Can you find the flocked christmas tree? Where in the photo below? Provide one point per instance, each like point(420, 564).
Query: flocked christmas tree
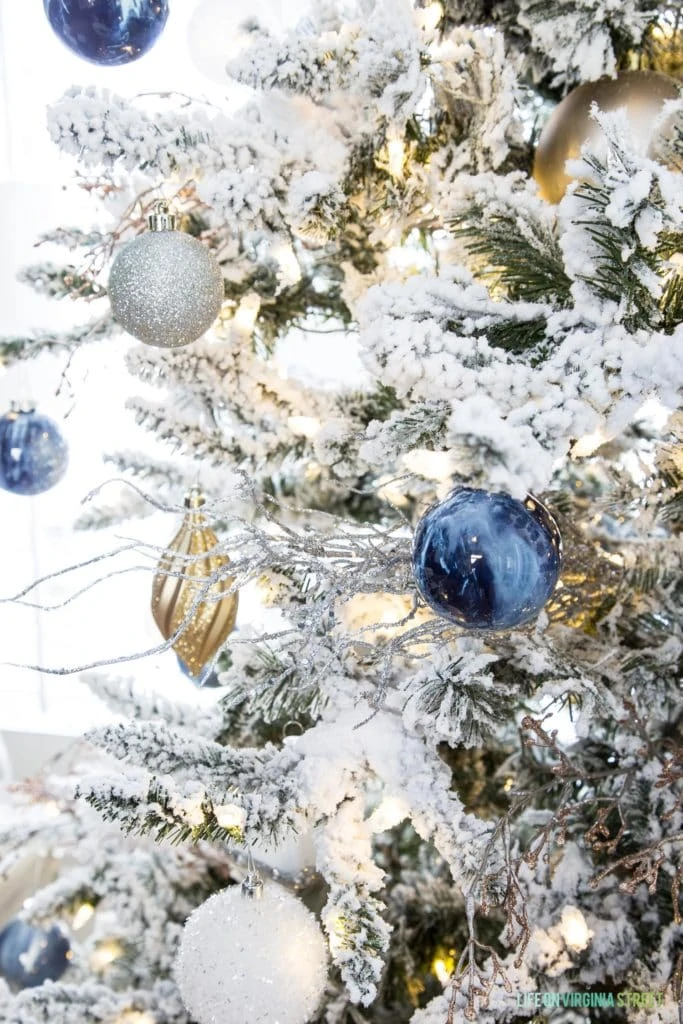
point(471, 866)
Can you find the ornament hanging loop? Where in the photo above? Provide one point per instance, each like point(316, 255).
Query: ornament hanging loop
point(252, 885)
point(161, 218)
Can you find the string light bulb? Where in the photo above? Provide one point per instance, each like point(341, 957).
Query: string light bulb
point(574, 929)
point(105, 954)
point(589, 443)
point(380, 616)
point(443, 964)
point(247, 313)
point(429, 17)
point(230, 816)
point(285, 257)
point(337, 932)
point(391, 812)
point(82, 916)
point(304, 426)
point(432, 465)
point(391, 489)
point(396, 155)
point(409, 257)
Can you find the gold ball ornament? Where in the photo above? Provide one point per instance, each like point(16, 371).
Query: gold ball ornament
point(642, 93)
point(188, 563)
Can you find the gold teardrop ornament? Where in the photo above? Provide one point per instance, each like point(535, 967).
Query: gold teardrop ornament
point(184, 569)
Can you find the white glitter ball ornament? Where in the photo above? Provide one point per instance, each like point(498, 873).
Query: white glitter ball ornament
point(250, 959)
point(165, 287)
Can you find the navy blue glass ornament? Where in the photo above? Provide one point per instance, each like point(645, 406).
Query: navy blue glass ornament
point(487, 561)
point(29, 956)
point(205, 679)
point(33, 453)
point(108, 32)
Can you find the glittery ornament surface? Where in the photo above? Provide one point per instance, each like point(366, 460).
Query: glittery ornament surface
point(33, 453)
point(643, 95)
point(487, 561)
point(165, 288)
point(190, 562)
point(108, 32)
point(29, 956)
point(249, 960)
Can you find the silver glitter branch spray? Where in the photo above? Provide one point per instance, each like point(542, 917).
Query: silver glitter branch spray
point(328, 568)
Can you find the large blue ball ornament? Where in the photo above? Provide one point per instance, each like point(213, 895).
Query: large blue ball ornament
point(29, 956)
point(33, 453)
point(108, 32)
point(487, 561)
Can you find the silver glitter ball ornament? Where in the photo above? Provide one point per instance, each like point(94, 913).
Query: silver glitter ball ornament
point(165, 287)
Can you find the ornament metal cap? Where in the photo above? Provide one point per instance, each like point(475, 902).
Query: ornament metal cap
point(23, 404)
point(194, 497)
point(161, 218)
point(252, 886)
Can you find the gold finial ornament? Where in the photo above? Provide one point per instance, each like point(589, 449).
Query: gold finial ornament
point(184, 570)
point(642, 93)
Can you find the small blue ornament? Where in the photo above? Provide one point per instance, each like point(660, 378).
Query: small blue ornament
point(29, 956)
point(108, 32)
point(205, 679)
point(33, 453)
point(487, 561)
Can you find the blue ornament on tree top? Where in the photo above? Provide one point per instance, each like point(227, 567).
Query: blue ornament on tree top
point(487, 561)
point(33, 453)
point(108, 32)
point(29, 956)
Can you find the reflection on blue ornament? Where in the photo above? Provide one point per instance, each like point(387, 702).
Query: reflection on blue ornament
point(487, 561)
point(33, 453)
point(108, 32)
point(205, 679)
point(29, 956)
